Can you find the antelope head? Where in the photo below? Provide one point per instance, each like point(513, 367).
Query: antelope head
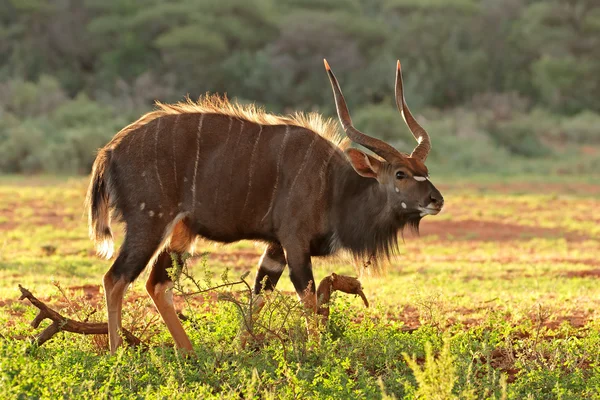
point(403, 177)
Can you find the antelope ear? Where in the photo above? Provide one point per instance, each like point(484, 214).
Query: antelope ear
point(363, 164)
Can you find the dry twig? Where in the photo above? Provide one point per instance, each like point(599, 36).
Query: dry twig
point(60, 323)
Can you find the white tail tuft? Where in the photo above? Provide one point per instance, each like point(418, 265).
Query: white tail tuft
point(105, 248)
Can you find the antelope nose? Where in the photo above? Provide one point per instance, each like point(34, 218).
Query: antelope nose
point(437, 199)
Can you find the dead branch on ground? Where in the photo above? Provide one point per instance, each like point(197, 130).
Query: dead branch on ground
point(60, 323)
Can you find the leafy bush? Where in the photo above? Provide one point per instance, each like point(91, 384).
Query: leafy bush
point(44, 131)
point(31, 99)
point(582, 128)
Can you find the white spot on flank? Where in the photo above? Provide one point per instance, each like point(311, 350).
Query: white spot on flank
point(403, 205)
point(397, 190)
point(143, 174)
point(420, 178)
point(160, 215)
point(142, 206)
point(151, 213)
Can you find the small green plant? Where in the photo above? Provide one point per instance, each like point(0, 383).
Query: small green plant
point(271, 315)
point(437, 377)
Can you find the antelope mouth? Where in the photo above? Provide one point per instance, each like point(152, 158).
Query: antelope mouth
point(429, 210)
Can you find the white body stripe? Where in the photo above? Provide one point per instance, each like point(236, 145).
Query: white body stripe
point(279, 161)
point(322, 176)
point(225, 147)
point(197, 159)
point(228, 192)
point(304, 162)
point(251, 171)
point(162, 189)
point(143, 154)
point(174, 155)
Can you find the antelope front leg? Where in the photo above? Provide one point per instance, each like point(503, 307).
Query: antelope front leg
point(270, 267)
point(304, 282)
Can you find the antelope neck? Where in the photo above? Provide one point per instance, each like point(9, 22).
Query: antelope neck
point(359, 207)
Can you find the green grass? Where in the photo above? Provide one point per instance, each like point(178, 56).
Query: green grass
point(502, 287)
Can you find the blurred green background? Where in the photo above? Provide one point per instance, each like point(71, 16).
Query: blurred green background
point(505, 87)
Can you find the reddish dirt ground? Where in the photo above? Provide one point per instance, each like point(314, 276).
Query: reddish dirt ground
point(592, 273)
point(584, 189)
point(487, 231)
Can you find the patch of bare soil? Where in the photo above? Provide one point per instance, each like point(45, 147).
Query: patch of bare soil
point(471, 317)
point(578, 319)
point(43, 214)
point(584, 273)
point(7, 220)
point(577, 188)
point(6, 302)
point(239, 259)
point(487, 231)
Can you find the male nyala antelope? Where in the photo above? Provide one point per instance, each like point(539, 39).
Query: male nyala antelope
point(229, 172)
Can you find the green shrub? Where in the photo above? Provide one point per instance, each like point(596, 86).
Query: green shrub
point(518, 136)
point(57, 136)
point(31, 99)
point(582, 128)
point(20, 146)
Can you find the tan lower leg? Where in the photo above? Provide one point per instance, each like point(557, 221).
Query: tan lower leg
point(114, 291)
point(162, 295)
point(247, 331)
point(309, 300)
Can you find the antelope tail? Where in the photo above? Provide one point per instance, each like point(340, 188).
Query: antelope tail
point(98, 206)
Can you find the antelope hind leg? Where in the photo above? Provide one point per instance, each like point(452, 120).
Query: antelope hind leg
point(114, 290)
point(159, 287)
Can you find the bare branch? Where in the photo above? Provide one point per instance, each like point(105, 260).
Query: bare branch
point(60, 323)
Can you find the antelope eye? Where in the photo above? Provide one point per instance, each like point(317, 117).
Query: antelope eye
point(400, 175)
